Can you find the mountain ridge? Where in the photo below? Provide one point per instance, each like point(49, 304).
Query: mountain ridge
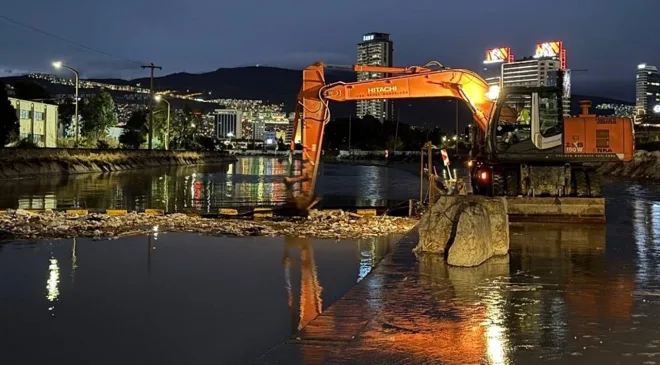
point(281, 86)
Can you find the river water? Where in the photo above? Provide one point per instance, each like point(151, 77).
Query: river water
point(567, 294)
point(172, 298)
point(250, 181)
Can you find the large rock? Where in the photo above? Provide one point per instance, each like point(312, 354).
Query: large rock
point(439, 228)
point(498, 214)
point(472, 244)
point(438, 223)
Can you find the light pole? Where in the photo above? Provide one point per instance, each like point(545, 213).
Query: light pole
point(167, 132)
point(58, 65)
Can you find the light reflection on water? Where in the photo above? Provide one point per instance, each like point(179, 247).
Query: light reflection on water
point(215, 297)
point(249, 181)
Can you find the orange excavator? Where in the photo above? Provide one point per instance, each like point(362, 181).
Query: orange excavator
point(522, 145)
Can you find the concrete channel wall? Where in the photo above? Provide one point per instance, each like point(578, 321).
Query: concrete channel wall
point(351, 329)
point(29, 162)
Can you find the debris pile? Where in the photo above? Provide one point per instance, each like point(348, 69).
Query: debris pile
point(22, 224)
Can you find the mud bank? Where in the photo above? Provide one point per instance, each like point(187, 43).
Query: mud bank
point(644, 165)
point(22, 224)
point(19, 163)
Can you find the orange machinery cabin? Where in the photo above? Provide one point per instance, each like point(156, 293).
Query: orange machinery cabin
point(590, 134)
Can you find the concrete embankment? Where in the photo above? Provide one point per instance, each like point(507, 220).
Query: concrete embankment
point(18, 163)
point(644, 165)
point(402, 312)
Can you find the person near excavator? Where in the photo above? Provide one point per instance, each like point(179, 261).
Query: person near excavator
point(523, 117)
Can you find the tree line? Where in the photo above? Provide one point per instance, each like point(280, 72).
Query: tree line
point(370, 134)
point(190, 131)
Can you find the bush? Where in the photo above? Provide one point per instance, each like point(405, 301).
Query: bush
point(26, 143)
point(102, 144)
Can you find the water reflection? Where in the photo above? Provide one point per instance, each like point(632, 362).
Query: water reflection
point(310, 303)
point(53, 283)
point(371, 251)
point(557, 296)
point(184, 289)
point(249, 181)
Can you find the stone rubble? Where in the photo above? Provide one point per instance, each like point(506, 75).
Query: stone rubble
point(22, 224)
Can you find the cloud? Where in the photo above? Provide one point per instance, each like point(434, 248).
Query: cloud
point(10, 71)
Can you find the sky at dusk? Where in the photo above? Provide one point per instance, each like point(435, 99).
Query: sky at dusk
point(607, 37)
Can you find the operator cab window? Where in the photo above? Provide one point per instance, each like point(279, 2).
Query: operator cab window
point(514, 123)
point(551, 122)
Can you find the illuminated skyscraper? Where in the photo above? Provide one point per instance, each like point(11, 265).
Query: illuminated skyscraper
point(495, 58)
point(375, 49)
point(540, 70)
point(647, 93)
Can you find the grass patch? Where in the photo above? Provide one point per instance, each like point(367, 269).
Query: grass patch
point(92, 156)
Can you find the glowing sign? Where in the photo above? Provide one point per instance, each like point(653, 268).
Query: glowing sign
point(641, 66)
point(368, 37)
point(495, 55)
point(548, 49)
point(656, 109)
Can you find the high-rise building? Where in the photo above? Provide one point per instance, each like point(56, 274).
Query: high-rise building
point(495, 58)
point(540, 70)
point(228, 124)
point(375, 49)
point(647, 95)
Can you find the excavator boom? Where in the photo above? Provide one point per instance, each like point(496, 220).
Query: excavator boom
point(312, 112)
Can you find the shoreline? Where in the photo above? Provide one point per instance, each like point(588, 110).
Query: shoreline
point(645, 165)
point(26, 163)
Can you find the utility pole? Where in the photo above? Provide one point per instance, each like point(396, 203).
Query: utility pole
point(151, 101)
point(396, 132)
point(349, 131)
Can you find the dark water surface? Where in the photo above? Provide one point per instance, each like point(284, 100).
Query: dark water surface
point(174, 299)
point(248, 182)
point(566, 294)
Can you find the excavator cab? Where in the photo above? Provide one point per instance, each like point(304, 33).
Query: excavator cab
point(527, 121)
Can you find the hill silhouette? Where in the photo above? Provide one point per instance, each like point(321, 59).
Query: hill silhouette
point(281, 86)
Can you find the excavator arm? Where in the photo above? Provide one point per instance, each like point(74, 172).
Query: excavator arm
point(312, 112)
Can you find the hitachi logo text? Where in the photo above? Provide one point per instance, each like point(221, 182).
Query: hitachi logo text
point(384, 89)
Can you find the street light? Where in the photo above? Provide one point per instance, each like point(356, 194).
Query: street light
point(167, 133)
point(58, 65)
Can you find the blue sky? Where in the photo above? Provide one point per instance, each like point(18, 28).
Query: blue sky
point(608, 38)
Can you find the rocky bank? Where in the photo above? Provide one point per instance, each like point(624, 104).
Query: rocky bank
point(643, 165)
point(21, 224)
point(18, 162)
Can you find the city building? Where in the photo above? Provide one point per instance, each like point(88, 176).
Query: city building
point(375, 49)
point(228, 124)
point(493, 62)
point(647, 90)
point(258, 130)
point(540, 70)
point(38, 121)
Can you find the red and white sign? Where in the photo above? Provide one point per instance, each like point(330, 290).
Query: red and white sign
point(445, 157)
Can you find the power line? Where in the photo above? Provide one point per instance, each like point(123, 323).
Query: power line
point(16, 22)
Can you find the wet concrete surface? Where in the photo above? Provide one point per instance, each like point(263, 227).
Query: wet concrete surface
point(171, 298)
point(556, 298)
